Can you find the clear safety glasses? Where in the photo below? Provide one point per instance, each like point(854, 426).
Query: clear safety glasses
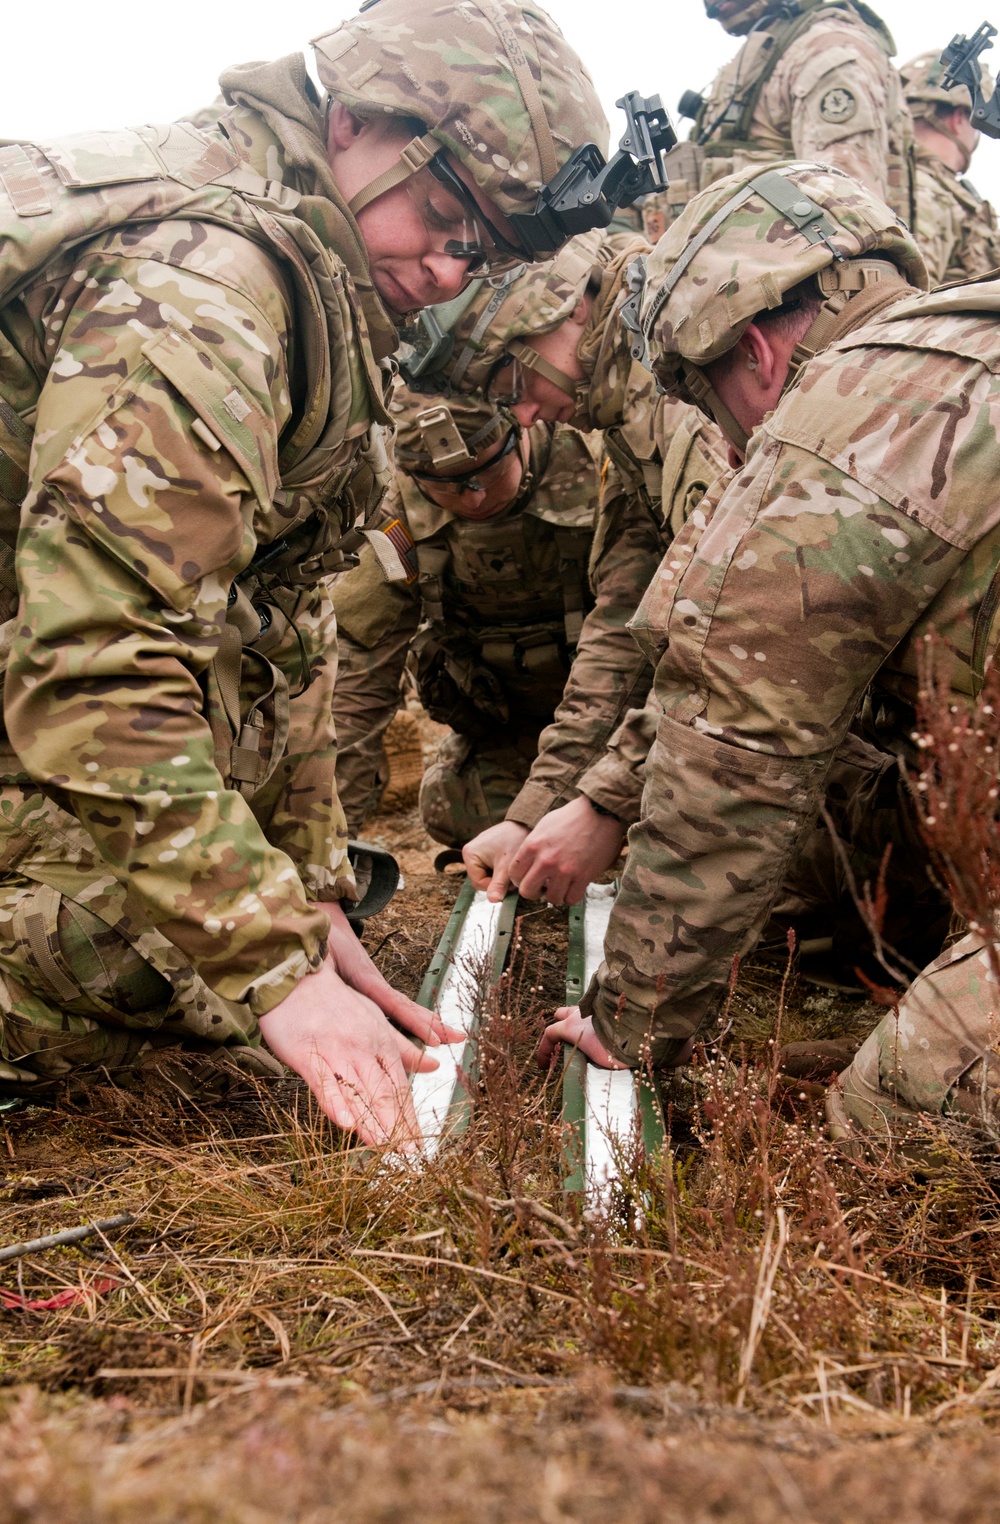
point(504, 386)
point(455, 222)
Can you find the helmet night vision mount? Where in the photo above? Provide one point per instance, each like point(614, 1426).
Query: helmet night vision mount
point(587, 192)
point(961, 64)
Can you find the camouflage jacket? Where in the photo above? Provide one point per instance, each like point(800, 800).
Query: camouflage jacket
point(187, 341)
point(955, 228)
point(666, 455)
point(866, 516)
point(498, 605)
point(813, 81)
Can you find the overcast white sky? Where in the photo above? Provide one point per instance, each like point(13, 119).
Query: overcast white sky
point(69, 66)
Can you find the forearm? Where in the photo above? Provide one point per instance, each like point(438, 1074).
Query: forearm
point(616, 780)
point(609, 676)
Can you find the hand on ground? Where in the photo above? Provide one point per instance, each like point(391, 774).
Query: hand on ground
point(353, 1061)
point(568, 849)
point(578, 1031)
point(488, 856)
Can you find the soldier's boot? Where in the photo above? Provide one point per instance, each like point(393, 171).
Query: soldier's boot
point(934, 1057)
point(80, 1005)
point(404, 760)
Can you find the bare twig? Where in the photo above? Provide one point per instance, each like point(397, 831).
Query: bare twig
point(68, 1236)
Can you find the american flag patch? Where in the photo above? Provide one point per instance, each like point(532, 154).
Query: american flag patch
point(402, 544)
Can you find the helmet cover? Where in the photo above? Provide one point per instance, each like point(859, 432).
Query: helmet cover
point(493, 81)
point(734, 253)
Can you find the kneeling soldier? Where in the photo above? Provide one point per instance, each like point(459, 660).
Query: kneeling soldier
point(864, 519)
point(478, 572)
point(192, 419)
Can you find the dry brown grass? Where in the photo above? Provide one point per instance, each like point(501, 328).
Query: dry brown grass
point(762, 1329)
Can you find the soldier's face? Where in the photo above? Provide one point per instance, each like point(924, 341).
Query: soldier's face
point(540, 397)
point(751, 378)
point(496, 483)
point(724, 10)
point(406, 258)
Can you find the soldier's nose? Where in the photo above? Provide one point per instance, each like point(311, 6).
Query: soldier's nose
point(450, 275)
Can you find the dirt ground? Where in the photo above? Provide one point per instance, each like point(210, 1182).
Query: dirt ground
point(292, 1330)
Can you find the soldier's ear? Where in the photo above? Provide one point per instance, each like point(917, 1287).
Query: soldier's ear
point(758, 357)
point(344, 129)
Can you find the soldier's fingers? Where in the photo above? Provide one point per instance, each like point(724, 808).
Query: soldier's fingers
point(530, 875)
point(551, 1044)
point(415, 1060)
point(576, 888)
point(427, 1025)
point(478, 869)
point(500, 882)
point(336, 1099)
point(392, 1105)
point(380, 1104)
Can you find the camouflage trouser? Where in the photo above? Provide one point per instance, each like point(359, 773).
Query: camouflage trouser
point(470, 785)
point(869, 808)
point(936, 1054)
point(79, 994)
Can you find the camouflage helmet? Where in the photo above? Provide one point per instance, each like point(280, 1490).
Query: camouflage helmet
point(922, 85)
point(494, 319)
point(437, 433)
point(740, 19)
point(740, 247)
point(493, 82)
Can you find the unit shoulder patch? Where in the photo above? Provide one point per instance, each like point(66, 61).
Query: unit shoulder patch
point(838, 105)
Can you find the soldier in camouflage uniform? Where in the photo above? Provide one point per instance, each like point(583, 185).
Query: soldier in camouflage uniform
point(494, 526)
point(865, 517)
point(955, 227)
point(191, 420)
point(549, 343)
point(812, 81)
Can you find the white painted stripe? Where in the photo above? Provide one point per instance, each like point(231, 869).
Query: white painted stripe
point(610, 1093)
point(432, 1093)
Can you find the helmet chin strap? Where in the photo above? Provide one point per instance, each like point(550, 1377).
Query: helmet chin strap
point(417, 154)
point(532, 360)
point(702, 392)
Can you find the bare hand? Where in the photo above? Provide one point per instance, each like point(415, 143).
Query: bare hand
point(356, 968)
point(578, 1031)
point(353, 1061)
point(568, 849)
point(488, 857)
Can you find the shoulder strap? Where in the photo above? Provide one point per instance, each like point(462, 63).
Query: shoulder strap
point(737, 117)
point(431, 563)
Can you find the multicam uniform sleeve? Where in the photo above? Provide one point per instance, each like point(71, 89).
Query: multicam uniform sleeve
point(955, 228)
point(376, 620)
point(812, 570)
point(838, 90)
point(937, 224)
point(298, 808)
point(609, 675)
point(152, 476)
point(694, 466)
